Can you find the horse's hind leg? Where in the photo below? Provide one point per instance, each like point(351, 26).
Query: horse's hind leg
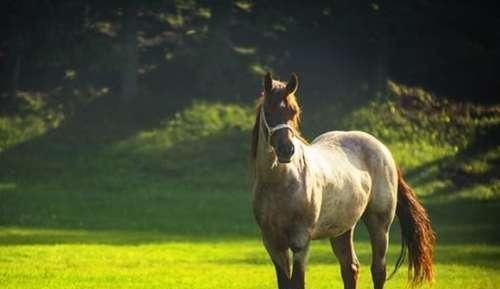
point(378, 229)
point(343, 248)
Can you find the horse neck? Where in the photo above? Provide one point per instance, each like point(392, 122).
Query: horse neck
point(267, 168)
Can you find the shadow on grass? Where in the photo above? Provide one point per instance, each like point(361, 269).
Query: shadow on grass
point(109, 196)
point(459, 170)
point(456, 223)
point(106, 189)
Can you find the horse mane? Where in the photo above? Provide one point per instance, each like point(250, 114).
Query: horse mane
point(292, 102)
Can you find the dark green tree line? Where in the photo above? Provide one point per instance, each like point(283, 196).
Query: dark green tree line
point(73, 50)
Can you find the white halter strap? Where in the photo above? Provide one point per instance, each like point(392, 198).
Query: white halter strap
point(272, 130)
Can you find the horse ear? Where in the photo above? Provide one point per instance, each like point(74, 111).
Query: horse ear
point(268, 82)
point(292, 84)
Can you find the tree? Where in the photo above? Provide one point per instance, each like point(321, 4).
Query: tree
point(129, 71)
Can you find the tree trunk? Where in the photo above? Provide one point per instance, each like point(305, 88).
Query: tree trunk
point(129, 71)
point(16, 72)
point(214, 71)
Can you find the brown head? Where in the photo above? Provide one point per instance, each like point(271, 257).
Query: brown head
point(278, 113)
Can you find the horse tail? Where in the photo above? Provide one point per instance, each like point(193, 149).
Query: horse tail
point(417, 236)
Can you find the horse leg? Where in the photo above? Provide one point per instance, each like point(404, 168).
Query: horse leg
point(378, 229)
point(282, 277)
point(299, 266)
point(343, 248)
point(281, 261)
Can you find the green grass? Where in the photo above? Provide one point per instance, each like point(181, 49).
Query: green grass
point(226, 264)
point(169, 206)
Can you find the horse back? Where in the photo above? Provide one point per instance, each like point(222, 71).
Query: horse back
point(361, 148)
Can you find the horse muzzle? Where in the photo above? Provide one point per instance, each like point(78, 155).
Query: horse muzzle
point(285, 152)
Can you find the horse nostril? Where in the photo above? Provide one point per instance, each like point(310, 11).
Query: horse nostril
point(281, 149)
point(285, 149)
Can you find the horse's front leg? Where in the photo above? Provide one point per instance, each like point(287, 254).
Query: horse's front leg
point(299, 266)
point(280, 256)
point(282, 277)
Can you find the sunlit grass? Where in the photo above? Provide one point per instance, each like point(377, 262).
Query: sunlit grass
point(217, 264)
point(200, 121)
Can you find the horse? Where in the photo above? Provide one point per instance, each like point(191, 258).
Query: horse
point(304, 191)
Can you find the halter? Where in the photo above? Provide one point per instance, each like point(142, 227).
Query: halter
point(272, 130)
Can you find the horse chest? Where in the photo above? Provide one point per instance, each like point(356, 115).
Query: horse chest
point(284, 214)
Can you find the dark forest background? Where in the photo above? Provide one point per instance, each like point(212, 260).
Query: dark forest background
point(151, 56)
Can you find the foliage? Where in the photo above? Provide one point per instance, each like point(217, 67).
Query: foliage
point(448, 141)
point(199, 121)
point(218, 49)
point(36, 120)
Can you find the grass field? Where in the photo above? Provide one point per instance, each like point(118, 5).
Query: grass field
point(169, 206)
